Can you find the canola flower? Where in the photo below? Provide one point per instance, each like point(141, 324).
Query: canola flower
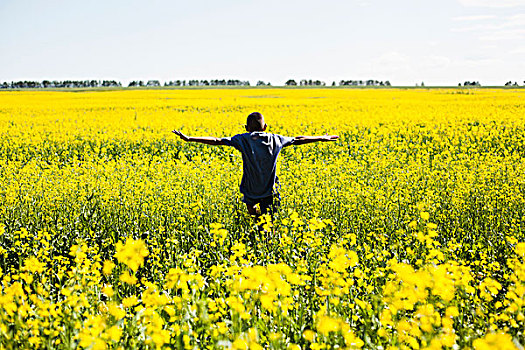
point(407, 233)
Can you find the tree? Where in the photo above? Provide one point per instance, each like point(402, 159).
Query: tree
point(290, 82)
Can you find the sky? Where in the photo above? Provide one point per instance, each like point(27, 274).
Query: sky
point(404, 41)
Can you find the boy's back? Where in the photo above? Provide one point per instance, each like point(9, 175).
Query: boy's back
point(259, 155)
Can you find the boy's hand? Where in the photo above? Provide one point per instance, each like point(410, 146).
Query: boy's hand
point(181, 135)
point(330, 138)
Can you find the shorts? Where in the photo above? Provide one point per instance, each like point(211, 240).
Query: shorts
point(268, 205)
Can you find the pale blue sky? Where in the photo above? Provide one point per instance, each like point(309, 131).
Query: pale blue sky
point(404, 41)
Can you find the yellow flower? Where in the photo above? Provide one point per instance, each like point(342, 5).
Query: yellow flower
point(267, 302)
point(240, 344)
point(255, 346)
point(132, 253)
point(309, 335)
point(424, 215)
point(520, 249)
point(492, 341)
point(342, 258)
point(327, 324)
point(108, 267)
point(34, 266)
point(108, 291)
point(127, 278)
point(116, 311)
point(114, 333)
point(452, 311)
point(431, 226)
point(130, 301)
point(352, 340)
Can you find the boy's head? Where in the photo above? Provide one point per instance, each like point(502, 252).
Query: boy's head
point(255, 122)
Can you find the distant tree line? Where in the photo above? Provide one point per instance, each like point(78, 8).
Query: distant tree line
point(476, 83)
point(510, 83)
point(194, 82)
point(45, 84)
point(213, 82)
point(364, 83)
point(141, 83)
point(112, 83)
point(470, 83)
point(310, 82)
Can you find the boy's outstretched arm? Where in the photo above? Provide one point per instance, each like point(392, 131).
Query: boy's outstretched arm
point(301, 140)
point(208, 140)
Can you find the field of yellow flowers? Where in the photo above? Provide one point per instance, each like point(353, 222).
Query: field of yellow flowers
point(408, 232)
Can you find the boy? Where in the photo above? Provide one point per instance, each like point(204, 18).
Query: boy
point(259, 158)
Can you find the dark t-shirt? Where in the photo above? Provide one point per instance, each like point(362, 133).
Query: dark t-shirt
point(259, 160)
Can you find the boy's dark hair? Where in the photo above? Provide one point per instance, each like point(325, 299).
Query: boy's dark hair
point(255, 121)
